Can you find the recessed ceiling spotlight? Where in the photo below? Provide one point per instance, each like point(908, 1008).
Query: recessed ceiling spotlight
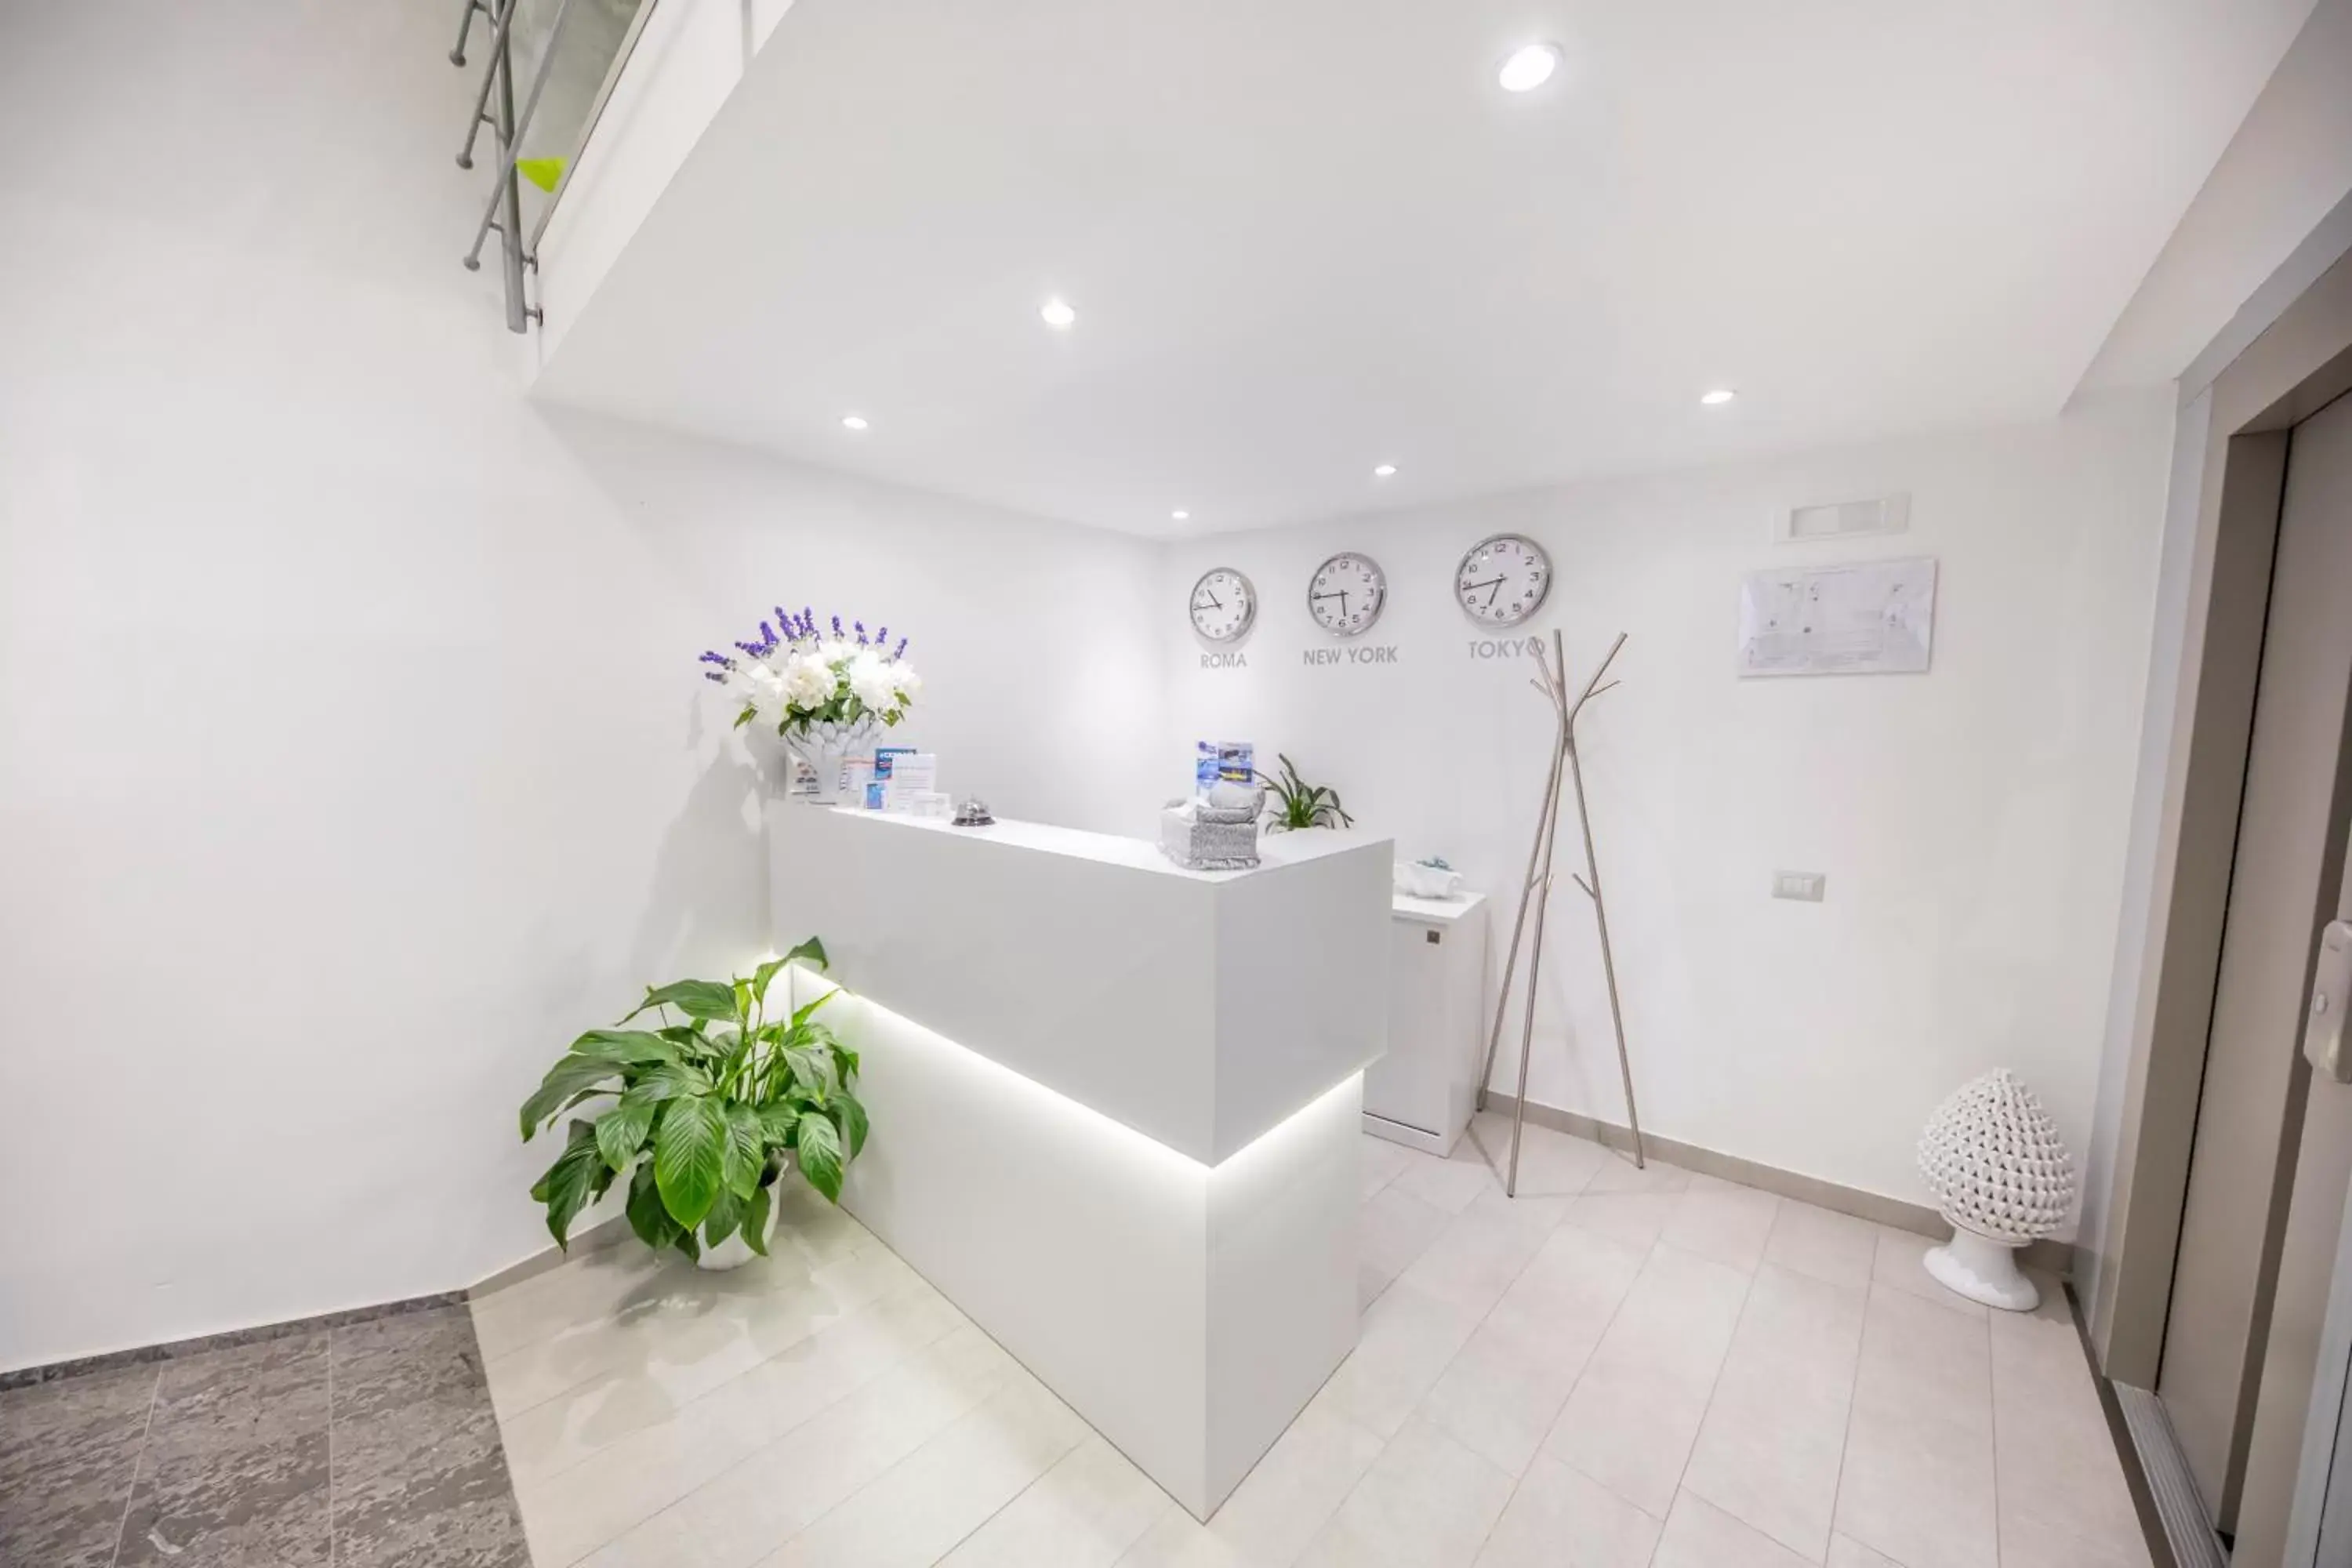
point(1385, 471)
point(1719, 397)
point(1056, 314)
point(1180, 515)
point(1529, 66)
point(853, 421)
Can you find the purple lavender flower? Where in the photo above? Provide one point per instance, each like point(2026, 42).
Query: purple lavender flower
point(754, 650)
point(860, 626)
point(881, 635)
point(899, 652)
point(720, 659)
point(714, 675)
point(837, 626)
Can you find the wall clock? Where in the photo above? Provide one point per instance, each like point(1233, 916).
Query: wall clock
point(1502, 581)
point(1346, 594)
point(1223, 604)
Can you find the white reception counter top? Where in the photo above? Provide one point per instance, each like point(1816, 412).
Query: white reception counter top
point(1115, 1104)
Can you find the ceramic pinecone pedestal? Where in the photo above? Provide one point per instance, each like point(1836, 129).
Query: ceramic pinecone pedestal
point(2002, 1177)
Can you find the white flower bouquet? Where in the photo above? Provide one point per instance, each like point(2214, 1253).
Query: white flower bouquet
point(798, 679)
point(824, 694)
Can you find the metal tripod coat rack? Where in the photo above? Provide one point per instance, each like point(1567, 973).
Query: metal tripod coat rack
point(1551, 679)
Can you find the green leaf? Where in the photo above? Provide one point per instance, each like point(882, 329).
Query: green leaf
point(684, 1242)
point(689, 1157)
point(621, 1132)
point(625, 1046)
point(819, 1143)
point(781, 1121)
point(800, 1014)
point(810, 953)
point(809, 1067)
point(568, 1076)
point(745, 1160)
point(695, 998)
point(672, 1081)
point(647, 1216)
point(845, 1063)
point(849, 1116)
point(569, 1182)
point(743, 717)
point(726, 1214)
point(755, 1220)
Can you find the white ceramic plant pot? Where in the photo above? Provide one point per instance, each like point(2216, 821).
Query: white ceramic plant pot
point(824, 746)
point(734, 1252)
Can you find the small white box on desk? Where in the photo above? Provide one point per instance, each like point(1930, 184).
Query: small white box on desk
point(1422, 1093)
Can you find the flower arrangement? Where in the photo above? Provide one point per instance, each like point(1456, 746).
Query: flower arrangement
point(797, 675)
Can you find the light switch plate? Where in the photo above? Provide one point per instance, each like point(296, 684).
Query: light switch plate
point(1805, 887)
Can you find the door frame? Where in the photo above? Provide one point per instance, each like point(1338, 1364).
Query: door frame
point(2228, 471)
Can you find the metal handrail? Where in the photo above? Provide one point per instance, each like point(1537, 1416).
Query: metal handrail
point(510, 141)
point(493, 106)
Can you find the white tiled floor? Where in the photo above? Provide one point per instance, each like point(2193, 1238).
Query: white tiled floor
point(1618, 1368)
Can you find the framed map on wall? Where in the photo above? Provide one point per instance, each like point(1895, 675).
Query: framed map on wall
point(1870, 617)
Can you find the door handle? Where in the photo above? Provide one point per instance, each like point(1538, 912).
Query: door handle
point(2331, 999)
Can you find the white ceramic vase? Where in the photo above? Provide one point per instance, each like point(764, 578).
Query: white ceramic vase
point(824, 746)
point(2001, 1177)
point(734, 1252)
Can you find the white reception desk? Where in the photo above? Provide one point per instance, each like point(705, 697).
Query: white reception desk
point(1116, 1104)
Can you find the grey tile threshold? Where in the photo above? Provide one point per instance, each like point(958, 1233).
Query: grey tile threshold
point(597, 1237)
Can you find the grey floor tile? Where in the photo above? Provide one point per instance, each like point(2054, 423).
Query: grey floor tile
point(259, 1396)
point(236, 1467)
point(434, 1496)
point(68, 1458)
point(420, 1475)
point(231, 1506)
point(397, 1361)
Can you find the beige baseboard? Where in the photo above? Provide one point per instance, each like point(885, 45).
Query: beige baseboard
point(602, 1234)
point(2056, 1258)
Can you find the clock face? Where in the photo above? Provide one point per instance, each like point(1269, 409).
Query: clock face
point(1502, 580)
point(1223, 604)
point(1346, 594)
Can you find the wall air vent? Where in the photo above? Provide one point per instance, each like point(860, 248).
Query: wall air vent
point(1843, 520)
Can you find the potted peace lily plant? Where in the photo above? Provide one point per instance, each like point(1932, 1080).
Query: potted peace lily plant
point(702, 1115)
point(826, 694)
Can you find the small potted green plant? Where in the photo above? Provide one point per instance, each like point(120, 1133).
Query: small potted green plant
point(1294, 804)
point(702, 1115)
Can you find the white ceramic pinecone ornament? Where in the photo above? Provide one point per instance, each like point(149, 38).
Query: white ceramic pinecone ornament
point(2002, 1177)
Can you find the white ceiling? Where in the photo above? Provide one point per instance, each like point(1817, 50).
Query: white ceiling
point(1308, 236)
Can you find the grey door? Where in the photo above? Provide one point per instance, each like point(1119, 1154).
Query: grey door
point(2287, 880)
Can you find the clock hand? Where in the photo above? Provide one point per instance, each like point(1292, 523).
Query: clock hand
point(1341, 596)
point(1214, 603)
point(1495, 595)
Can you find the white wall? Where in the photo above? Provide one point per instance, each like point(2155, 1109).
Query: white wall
point(351, 752)
point(1971, 821)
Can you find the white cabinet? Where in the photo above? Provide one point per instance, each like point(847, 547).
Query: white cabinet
point(1421, 1093)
